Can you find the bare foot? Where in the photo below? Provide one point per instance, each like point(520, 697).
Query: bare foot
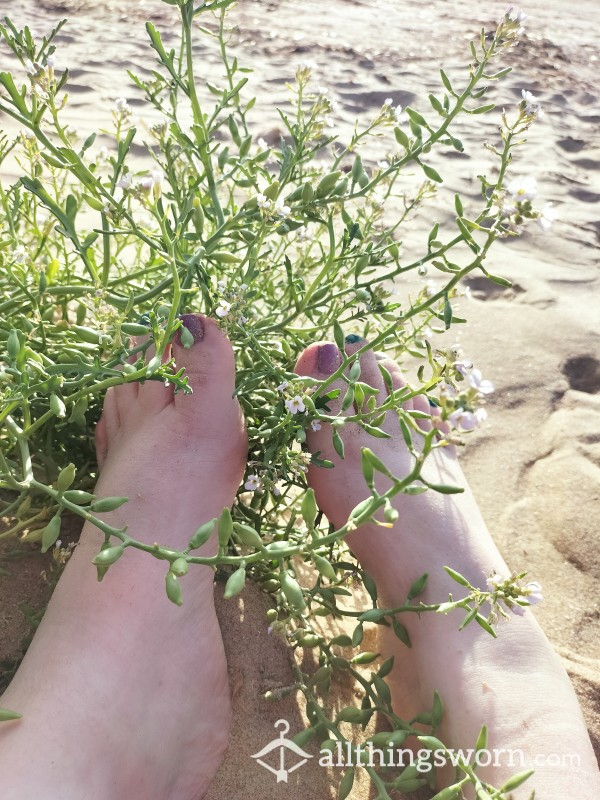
point(516, 685)
point(123, 694)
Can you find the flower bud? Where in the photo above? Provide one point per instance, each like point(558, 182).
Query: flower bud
point(50, 533)
point(173, 588)
point(235, 583)
point(66, 477)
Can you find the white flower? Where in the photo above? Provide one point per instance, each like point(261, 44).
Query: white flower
point(530, 104)
point(495, 581)
point(524, 188)
point(295, 405)
point(388, 101)
point(547, 216)
point(281, 209)
point(263, 201)
point(283, 386)
point(223, 308)
point(398, 115)
point(315, 424)
point(103, 154)
point(57, 544)
point(262, 144)
point(121, 105)
point(253, 483)
point(222, 285)
point(478, 382)
point(50, 62)
point(533, 593)
point(276, 490)
point(514, 15)
point(467, 420)
point(126, 181)
point(463, 367)
point(19, 254)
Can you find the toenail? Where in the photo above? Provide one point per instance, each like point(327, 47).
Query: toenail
point(328, 358)
point(353, 338)
point(195, 325)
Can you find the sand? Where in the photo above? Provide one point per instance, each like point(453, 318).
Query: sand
point(535, 465)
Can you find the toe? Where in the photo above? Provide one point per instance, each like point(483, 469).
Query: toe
point(101, 438)
point(369, 366)
point(153, 396)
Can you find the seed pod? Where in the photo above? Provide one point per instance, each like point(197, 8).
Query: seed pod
point(346, 784)
point(327, 183)
point(308, 193)
point(57, 406)
point(85, 334)
point(354, 715)
point(66, 477)
point(225, 527)
point(78, 497)
point(309, 639)
point(134, 329)
point(309, 508)
point(304, 737)
point(108, 556)
point(6, 714)
point(324, 567)
point(173, 588)
point(292, 591)
point(248, 536)
point(198, 216)
point(186, 337)
point(224, 257)
point(364, 658)
point(235, 583)
point(340, 188)
point(78, 410)
point(107, 504)
point(321, 675)
point(202, 535)
point(50, 533)
point(180, 567)
point(13, 344)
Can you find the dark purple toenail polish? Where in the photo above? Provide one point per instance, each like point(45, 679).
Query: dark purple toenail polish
point(328, 358)
point(195, 325)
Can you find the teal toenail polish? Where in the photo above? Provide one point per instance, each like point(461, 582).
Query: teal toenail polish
point(328, 358)
point(192, 330)
point(353, 338)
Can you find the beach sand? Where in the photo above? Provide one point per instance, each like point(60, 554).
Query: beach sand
point(535, 465)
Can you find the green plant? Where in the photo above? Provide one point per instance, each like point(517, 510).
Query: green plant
point(281, 244)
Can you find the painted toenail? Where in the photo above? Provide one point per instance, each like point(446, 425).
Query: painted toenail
point(328, 358)
point(353, 338)
point(194, 324)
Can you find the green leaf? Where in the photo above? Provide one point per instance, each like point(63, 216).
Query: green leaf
point(6, 715)
point(418, 587)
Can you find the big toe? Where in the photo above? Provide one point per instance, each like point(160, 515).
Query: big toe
point(201, 348)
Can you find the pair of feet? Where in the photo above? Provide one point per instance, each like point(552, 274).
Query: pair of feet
point(125, 695)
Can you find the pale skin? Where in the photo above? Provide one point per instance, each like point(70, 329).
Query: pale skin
point(125, 695)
